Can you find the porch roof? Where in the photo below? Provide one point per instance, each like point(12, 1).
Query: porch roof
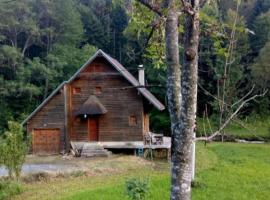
point(92, 106)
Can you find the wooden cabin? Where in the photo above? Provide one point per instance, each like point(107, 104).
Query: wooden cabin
point(101, 102)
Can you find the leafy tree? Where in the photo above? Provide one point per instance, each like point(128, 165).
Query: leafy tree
point(13, 149)
point(261, 32)
point(18, 25)
point(260, 71)
point(261, 68)
point(40, 45)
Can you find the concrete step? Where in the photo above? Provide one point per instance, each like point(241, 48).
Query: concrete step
point(94, 150)
point(95, 154)
point(92, 146)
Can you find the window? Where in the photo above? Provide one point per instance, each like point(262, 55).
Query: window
point(76, 90)
point(132, 120)
point(98, 90)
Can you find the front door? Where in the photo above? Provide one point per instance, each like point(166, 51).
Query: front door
point(93, 128)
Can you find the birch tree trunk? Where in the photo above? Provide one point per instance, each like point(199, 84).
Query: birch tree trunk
point(183, 131)
point(174, 95)
point(181, 89)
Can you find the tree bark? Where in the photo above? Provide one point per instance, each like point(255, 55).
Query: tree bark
point(181, 91)
point(184, 137)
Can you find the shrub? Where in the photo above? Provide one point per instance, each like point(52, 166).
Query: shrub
point(137, 188)
point(8, 189)
point(13, 150)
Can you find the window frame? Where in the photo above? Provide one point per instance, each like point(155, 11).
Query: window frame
point(133, 120)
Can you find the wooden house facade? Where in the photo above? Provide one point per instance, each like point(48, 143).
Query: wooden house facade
point(101, 102)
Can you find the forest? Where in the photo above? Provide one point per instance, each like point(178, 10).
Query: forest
point(43, 42)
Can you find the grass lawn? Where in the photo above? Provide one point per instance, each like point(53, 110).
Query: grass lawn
point(224, 171)
point(250, 129)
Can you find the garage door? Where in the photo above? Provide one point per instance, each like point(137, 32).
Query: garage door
point(46, 141)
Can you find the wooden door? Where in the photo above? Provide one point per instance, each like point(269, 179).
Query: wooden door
point(46, 141)
point(93, 129)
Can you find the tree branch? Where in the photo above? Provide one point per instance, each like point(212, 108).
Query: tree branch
point(26, 45)
point(250, 91)
point(231, 117)
point(187, 7)
point(209, 94)
point(155, 7)
point(248, 129)
point(154, 25)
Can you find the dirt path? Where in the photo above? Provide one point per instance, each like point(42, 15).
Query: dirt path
point(48, 168)
point(60, 164)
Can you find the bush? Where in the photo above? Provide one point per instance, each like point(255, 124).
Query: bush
point(137, 188)
point(9, 189)
point(13, 150)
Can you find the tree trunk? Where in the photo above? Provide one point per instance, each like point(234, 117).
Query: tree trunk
point(183, 131)
point(174, 95)
point(181, 90)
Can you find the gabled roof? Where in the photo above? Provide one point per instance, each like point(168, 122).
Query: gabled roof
point(92, 106)
point(119, 67)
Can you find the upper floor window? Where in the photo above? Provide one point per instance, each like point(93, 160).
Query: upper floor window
point(76, 90)
point(132, 120)
point(98, 90)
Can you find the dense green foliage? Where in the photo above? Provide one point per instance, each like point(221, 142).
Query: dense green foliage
point(223, 171)
point(44, 42)
point(13, 150)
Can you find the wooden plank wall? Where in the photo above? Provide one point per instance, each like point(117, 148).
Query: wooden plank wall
point(50, 116)
point(121, 104)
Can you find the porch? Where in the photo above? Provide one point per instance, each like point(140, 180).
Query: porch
point(100, 148)
point(166, 144)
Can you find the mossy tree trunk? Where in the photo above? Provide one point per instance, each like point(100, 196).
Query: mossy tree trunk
point(181, 88)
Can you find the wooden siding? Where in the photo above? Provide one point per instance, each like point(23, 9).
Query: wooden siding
point(50, 116)
point(120, 103)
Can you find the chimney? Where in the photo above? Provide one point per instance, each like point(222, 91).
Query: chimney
point(141, 75)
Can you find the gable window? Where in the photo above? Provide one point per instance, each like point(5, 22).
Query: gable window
point(98, 90)
point(76, 90)
point(132, 120)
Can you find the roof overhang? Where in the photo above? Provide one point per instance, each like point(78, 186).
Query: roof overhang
point(92, 106)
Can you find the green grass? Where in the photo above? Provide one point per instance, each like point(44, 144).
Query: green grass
point(255, 130)
point(241, 172)
point(250, 129)
point(227, 171)
point(9, 189)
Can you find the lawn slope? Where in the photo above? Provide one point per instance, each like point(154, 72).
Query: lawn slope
point(224, 171)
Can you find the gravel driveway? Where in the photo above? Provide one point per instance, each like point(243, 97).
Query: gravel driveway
point(49, 168)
